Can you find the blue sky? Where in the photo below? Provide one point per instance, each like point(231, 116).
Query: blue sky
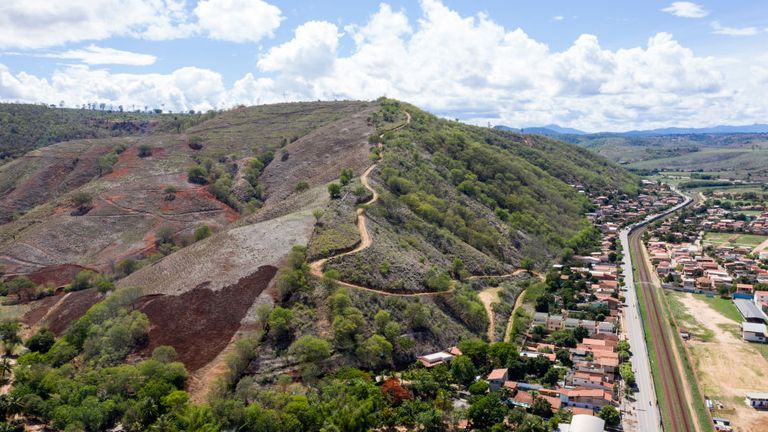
point(595, 65)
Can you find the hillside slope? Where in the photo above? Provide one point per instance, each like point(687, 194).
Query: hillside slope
point(136, 195)
point(487, 197)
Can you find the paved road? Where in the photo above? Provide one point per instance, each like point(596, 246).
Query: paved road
point(646, 412)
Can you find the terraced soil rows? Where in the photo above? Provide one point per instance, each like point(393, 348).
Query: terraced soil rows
point(674, 402)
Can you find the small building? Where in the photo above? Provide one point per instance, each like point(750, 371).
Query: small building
point(754, 332)
point(757, 400)
point(497, 378)
point(749, 311)
point(431, 360)
point(583, 423)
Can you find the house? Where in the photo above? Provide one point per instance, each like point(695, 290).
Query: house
point(754, 332)
point(587, 398)
point(431, 360)
point(757, 400)
point(745, 289)
point(497, 378)
point(522, 399)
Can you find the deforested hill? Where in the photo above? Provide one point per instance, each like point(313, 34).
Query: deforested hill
point(487, 197)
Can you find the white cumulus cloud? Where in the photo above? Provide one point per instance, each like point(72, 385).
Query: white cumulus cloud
point(686, 10)
point(456, 65)
point(238, 20)
point(45, 23)
point(31, 24)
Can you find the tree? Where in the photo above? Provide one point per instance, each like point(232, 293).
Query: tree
point(476, 350)
point(145, 150)
point(463, 370)
point(310, 349)
point(487, 411)
point(501, 353)
point(202, 231)
point(551, 377)
point(479, 387)
point(82, 201)
point(580, 333)
point(279, 323)
point(317, 214)
point(164, 235)
point(346, 327)
point(381, 319)
point(9, 336)
point(346, 176)
point(83, 280)
point(198, 175)
point(41, 342)
point(164, 354)
point(527, 264)
point(22, 287)
point(564, 357)
point(541, 407)
point(375, 352)
point(625, 370)
point(610, 414)
point(334, 189)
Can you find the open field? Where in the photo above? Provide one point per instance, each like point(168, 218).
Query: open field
point(733, 239)
point(727, 367)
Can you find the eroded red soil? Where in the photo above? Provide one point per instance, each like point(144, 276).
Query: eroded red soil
point(200, 323)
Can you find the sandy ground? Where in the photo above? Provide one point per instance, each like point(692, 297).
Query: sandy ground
point(728, 367)
point(489, 296)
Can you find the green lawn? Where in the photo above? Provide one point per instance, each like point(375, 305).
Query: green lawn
point(733, 239)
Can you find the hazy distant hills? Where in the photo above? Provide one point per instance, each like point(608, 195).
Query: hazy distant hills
point(555, 130)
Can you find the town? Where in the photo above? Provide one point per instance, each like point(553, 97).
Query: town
point(575, 327)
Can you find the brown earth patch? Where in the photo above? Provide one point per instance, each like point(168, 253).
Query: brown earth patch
point(56, 275)
point(200, 323)
point(39, 308)
point(72, 308)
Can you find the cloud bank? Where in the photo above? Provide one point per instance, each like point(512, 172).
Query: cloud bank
point(460, 66)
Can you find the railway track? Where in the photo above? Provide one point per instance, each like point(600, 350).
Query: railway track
point(675, 401)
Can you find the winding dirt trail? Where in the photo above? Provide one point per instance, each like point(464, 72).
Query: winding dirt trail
point(316, 267)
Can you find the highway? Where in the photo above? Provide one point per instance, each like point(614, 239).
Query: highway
point(648, 417)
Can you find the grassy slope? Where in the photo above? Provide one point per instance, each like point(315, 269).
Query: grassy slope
point(488, 197)
point(138, 183)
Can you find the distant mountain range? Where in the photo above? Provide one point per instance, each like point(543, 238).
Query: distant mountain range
point(554, 130)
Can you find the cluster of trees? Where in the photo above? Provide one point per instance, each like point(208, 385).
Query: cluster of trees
point(219, 176)
point(89, 279)
point(334, 189)
point(108, 160)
